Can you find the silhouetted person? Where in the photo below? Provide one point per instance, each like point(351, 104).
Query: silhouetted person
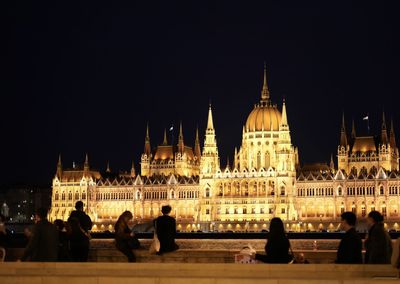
point(278, 245)
point(3, 232)
point(125, 239)
point(378, 245)
point(396, 255)
point(84, 219)
point(78, 241)
point(166, 230)
point(43, 244)
point(63, 241)
point(350, 247)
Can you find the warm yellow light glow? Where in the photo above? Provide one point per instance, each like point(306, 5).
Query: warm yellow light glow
point(264, 180)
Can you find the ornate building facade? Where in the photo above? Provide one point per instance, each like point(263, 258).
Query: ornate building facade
point(265, 180)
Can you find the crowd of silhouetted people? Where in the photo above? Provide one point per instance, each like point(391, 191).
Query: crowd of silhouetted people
point(61, 241)
point(70, 241)
point(378, 244)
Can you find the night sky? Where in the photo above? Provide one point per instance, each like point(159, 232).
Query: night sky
point(88, 78)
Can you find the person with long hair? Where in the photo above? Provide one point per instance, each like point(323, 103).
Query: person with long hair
point(125, 239)
point(378, 245)
point(277, 246)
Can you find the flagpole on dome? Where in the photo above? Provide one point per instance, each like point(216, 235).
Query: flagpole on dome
point(367, 119)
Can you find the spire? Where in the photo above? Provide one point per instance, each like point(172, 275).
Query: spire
point(392, 135)
point(353, 130)
point(235, 165)
point(108, 170)
point(133, 171)
point(384, 138)
point(209, 162)
point(197, 151)
point(181, 144)
point(59, 166)
point(343, 135)
point(147, 148)
point(265, 92)
point(284, 122)
point(165, 141)
point(86, 165)
point(332, 163)
point(227, 163)
point(210, 124)
point(180, 131)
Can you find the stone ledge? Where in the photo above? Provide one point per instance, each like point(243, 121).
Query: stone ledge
point(111, 254)
point(196, 256)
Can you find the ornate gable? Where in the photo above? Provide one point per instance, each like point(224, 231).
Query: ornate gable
point(381, 174)
point(340, 175)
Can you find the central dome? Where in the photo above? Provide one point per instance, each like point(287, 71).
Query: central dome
point(264, 117)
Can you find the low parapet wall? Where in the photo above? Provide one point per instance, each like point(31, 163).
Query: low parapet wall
point(196, 256)
point(163, 273)
point(180, 256)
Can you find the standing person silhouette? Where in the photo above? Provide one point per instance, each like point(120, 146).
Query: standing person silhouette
point(80, 225)
point(350, 247)
point(43, 245)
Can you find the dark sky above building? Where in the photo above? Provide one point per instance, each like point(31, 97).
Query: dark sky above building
point(88, 77)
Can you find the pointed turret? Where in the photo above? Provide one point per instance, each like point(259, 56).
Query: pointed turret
point(236, 160)
point(181, 144)
point(384, 138)
point(108, 170)
point(265, 92)
point(165, 141)
point(197, 151)
point(133, 171)
point(332, 163)
point(210, 124)
point(284, 124)
point(353, 130)
point(209, 159)
point(227, 163)
point(147, 148)
point(86, 167)
point(343, 135)
point(59, 167)
point(392, 135)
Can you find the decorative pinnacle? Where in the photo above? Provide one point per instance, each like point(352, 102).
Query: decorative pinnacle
point(265, 92)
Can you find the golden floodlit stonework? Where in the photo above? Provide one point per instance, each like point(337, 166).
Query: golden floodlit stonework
point(265, 180)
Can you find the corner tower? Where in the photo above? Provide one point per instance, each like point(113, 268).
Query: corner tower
point(209, 162)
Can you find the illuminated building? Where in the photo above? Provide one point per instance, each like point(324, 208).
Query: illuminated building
point(265, 180)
